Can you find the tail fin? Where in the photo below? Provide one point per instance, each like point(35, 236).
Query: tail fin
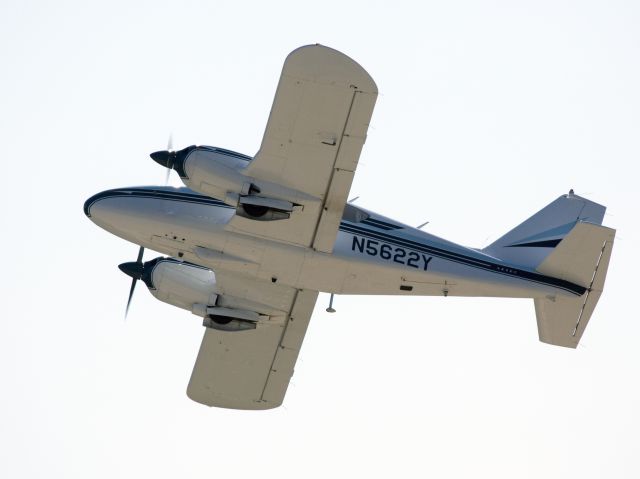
point(582, 257)
point(529, 243)
point(564, 240)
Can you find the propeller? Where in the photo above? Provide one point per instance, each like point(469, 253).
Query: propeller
point(135, 270)
point(170, 150)
point(173, 160)
point(166, 158)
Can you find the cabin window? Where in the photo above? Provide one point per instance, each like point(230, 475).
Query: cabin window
point(353, 214)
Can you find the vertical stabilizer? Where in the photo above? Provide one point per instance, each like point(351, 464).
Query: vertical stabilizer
point(529, 243)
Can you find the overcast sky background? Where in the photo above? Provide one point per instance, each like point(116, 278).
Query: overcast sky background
point(487, 112)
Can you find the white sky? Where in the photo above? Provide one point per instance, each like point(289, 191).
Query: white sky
point(488, 111)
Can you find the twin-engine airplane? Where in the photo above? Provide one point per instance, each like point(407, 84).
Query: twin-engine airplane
point(251, 241)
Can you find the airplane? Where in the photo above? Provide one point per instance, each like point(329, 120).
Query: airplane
point(251, 241)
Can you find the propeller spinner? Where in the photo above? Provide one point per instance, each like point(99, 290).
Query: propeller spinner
point(172, 160)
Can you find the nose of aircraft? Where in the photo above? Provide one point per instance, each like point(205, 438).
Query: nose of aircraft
point(134, 214)
point(117, 211)
point(104, 208)
point(87, 206)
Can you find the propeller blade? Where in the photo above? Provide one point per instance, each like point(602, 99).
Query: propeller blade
point(170, 150)
point(133, 287)
point(134, 270)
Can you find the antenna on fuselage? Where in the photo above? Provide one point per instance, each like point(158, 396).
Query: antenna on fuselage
point(353, 199)
point(330, 308)
point(423, 224)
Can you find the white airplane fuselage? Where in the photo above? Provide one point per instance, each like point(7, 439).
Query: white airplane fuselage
point(252, 240)
point(372, 254)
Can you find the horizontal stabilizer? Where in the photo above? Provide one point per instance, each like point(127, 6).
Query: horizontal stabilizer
point(576, 256)
point(582, 257)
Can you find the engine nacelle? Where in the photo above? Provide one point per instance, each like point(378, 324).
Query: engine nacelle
point(214, 171)
point(193, 287)
point(219, 173)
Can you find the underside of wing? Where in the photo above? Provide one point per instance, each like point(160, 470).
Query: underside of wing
point(251, 369)
point(312, 143)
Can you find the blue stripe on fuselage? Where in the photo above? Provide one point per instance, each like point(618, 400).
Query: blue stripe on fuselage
point(383, 233)
point(501, 269)
point(183, 195)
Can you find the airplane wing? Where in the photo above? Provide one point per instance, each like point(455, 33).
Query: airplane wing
point(251, 369)
point(316, 130)
point(313, 139)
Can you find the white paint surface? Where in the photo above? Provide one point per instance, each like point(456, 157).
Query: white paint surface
point(487, 112)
